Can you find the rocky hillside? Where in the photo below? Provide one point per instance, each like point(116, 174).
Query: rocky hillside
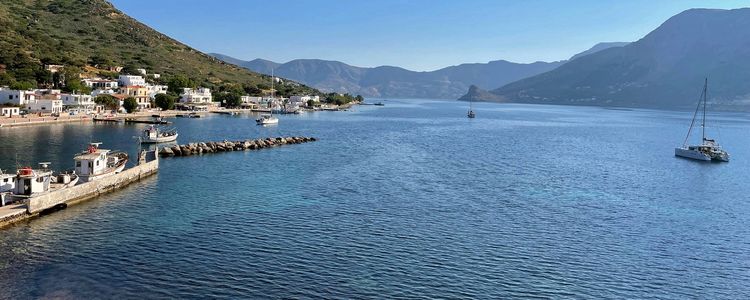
point(77, 33)
point(664, 69)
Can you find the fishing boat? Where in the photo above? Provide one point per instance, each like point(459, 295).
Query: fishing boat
point(708, 149)
point(379, 104)
point(33, 182)
point(95, 163)
point(267, 120)
point(154, 135)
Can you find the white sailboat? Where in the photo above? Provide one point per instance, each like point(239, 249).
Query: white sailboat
point(269, 119)
point(471, 113)
point(708, 149)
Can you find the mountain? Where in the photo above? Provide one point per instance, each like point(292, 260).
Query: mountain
point(664, 69)
point(388, 81)
point(83, 33)
point(599, 47)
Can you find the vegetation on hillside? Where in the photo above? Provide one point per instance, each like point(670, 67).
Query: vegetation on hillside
point(81, 34)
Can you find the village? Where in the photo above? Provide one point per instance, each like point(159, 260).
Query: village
point(48, 105)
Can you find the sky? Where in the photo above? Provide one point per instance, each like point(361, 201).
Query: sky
point(420, 35)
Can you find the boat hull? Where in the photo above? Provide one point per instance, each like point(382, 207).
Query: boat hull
point(162, 139)
point(691, 154)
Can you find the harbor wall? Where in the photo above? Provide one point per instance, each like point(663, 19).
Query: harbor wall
point(91, 189)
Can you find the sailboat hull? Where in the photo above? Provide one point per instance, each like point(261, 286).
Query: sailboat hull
point(691, 154)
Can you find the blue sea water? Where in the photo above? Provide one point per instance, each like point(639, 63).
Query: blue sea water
point(410, 200)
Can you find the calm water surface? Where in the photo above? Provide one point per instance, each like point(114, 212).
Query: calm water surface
point(410, 200)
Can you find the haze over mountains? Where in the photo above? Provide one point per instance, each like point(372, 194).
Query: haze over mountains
point(386, 81)
point(664, 69)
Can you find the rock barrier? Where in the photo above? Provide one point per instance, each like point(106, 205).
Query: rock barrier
point(228, 146)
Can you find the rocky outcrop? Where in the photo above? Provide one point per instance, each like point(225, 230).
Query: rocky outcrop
point(226, 146)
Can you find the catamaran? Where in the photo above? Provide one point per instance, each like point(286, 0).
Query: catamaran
point(709, 149)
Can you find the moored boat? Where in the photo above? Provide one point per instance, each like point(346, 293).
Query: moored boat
point(32, 182)
point(708, 149)
point(95, 163)
point(153, 135)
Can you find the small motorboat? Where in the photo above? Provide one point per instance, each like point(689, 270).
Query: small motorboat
point(267, 120)
point(154, 135)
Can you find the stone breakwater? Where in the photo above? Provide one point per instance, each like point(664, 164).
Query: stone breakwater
point(228, 146)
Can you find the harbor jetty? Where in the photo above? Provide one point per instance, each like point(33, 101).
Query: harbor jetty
point(148, 164)
point(228, 146)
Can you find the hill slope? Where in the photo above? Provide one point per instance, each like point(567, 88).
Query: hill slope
point(664, 69)
point(76, 33)
point(387, 81)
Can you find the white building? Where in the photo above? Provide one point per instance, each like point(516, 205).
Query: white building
point(45, 106)
point(130, 80)
point(9, 111)
point(156, 76)
point(102, 91)
point(142, 71)
point(48, 94)
point(302, 100)
point(78, 103)
point(154, 90)
point(16, 97)
point(250, 100)
point(98, 83)
point(199, 95)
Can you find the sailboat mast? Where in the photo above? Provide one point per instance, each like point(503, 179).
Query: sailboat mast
point(705, 96)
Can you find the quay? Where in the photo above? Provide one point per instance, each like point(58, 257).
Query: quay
point(148, 164)
point(228, 146)
point(131, 121)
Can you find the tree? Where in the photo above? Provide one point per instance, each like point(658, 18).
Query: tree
point(359, 98)
point(22, 85)
point(179, 82)
point(229, 99)
point(107, 101)
point(164, 101)
point(310, 103)
point(130, 104)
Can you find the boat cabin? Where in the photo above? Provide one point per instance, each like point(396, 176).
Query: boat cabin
point(91, 162)
point(7, 182)
point(33, 181)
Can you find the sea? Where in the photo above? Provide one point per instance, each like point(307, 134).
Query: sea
point(411, 200)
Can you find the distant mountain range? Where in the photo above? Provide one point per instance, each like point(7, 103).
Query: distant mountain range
point(664, 69)
point(386, 81)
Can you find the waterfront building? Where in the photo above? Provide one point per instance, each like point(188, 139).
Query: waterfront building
point(9, 111)
point(45, 106)
point(16, 97)
point(130, 80)
point(302, 100)
point(47, 94)
point(98, 83)
point(199, 95)
point(140, 93)
point(78, 103)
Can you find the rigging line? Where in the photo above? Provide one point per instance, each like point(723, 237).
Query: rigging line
point(692, 123)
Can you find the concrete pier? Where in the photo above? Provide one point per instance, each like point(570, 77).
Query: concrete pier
point(148, 164)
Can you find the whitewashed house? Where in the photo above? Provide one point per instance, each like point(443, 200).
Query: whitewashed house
point(302, 100)
point(45, 106)
point(16, 97)
point(77, 103)
point(131, 80)
point(98, 83)
point(199, 95)
point(9, 111)
point(154, 90)
point(142, 71)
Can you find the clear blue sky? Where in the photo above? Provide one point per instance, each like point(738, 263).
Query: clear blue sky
point(414, 34)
